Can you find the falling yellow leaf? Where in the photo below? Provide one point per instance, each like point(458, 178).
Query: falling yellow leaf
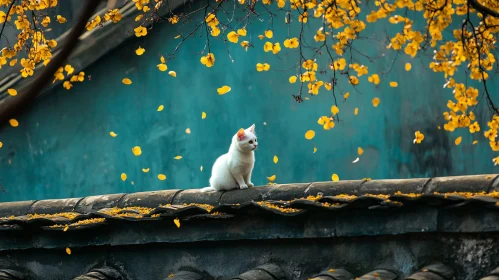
point(335, 177)
point(375, 102)
point(334, 110)
point(188, 131)
point(68, 251)
point(203, 115)
point(178, 157)
point(346, 95)
point(276, 159)
point(408, 66)
point(145, 170)
point(271, 178)
point(475, 142)
point(309, 135)
point(140, 51)
point(292, 79)
point(162, 177)
point(65, 228)
point(1, 144)
point(394, 84)
point(136, 151)
point(12, 92)
point(123, 176)
point(360, 151)
point(269, 34)
point(201, 168)
point(113, 134)
point(356, 111)
point(458, 140)
point(172, 73)
point(315, 150)
point(13, 122)
point(126, 81)
point(177, 222)
point(223, 90)
point(160, 108)
point(162, 67)
point(366, 179)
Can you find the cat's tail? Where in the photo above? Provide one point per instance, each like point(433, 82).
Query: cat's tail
point(207, 189)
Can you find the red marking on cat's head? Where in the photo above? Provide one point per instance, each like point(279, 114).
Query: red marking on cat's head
point(240, 134)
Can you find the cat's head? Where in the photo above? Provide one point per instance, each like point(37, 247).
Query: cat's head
point(245, 139)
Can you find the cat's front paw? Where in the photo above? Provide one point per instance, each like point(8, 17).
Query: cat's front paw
point(243, 187)
point(251, 184)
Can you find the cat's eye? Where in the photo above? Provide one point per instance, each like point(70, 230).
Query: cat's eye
point(251, 141)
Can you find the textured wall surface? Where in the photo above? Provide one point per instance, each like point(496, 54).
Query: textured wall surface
point(470, 256)
point(62, 147)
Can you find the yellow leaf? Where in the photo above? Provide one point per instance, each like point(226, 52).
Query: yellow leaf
point(140, 51)
point(356, 111)
point(394, 84)
point(65, 228)
point(126, 81)
point(12, 92)
point(271, 178)
point(334, 110)
point(162, 177)
point(346, 95)
point(136, 151)
point(188, 131)
point(269, 34)
point(233, 37)
point(162, 67)
point(241, 32)
point(315, 150)
point(13, 122)
point(113, 134)
point(261, 37)
point(172, 73)
point(458, 140)
point(201, 168)
point(123, 176)
point(178, 157)
point(68, 251)
point(145, 170)
point(262, 67)
point(375, 102)
point(335, 177)
point(61, 19)
point(139, 17)
point(309, 135)
point(13, 62)
point(162, 59)
point(177, 222)
point(292, 79)
point(475, 142)
point(223, 90)
point(160, 108)
point(276, 159)
point(1, 144)
point(408, 66)
point(203, 115)
point(360, 151)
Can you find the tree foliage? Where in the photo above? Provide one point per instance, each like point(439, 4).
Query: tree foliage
point(461, 35)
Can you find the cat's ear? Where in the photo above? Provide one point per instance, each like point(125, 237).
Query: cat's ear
point(240, 134)
point(252, 128)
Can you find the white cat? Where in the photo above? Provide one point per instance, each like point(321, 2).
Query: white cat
point(233, 169)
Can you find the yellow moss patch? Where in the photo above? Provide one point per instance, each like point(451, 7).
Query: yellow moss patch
point(80, 223)
point(67, 215)
point(277, 207)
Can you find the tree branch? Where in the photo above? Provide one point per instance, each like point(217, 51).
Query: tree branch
point(482, 9)
point(25, 98)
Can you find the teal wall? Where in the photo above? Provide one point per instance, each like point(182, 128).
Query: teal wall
point(62, 147)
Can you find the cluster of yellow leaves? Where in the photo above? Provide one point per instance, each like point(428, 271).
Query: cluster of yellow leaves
point(59, 75)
